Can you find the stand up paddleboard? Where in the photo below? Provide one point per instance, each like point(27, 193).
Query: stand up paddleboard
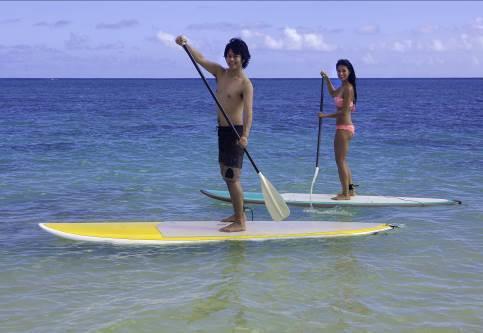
point(324, 200)
point(205, 231)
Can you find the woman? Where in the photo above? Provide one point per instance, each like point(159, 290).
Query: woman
point(345, 98)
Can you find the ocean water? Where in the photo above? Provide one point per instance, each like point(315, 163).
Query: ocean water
point(140, 150)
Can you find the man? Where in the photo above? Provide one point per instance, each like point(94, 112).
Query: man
point(235, 94)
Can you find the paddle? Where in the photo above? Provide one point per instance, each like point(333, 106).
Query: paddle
point(318, 141)
point(274, 202)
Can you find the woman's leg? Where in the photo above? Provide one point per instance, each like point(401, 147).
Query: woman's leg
point(341, 148)
point(352, 191)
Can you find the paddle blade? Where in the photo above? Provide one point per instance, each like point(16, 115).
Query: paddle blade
point(313, 183)
point(313, 179)
point(274, 202)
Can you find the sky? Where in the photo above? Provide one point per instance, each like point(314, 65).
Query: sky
point(287, 39)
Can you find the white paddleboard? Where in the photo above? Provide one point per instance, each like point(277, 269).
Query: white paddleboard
point(205, 231)
point(325, 200)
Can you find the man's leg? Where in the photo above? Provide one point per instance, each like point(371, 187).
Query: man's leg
point(236, 194)
point(233, 194)
point(232, 179)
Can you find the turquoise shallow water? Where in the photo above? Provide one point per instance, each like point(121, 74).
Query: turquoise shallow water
point(83, 150)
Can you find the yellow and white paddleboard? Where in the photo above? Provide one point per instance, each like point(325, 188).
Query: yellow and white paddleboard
point(205, 231)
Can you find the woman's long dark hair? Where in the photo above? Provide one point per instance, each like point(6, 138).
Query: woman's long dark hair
point(352, 74)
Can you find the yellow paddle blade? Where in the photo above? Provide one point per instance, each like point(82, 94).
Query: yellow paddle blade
point(274, 202)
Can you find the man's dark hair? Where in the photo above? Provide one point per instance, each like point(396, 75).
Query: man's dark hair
point(238, 47)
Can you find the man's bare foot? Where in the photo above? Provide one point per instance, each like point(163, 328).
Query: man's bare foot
point(231, 219)
point(341, 197)
point(234, 227)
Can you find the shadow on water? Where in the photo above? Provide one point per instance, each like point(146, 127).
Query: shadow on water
point(226, 296)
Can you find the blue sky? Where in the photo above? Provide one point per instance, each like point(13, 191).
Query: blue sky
point(287, 39)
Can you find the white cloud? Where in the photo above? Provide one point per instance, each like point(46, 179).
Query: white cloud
point(368, 29)
point(272, 43)
point(217, 26)
point(8, 21)
point(57, 24)
point(313, 40)
point(427, 28)
point(466, 42)
point(478, 24)
point(479, 40)
point(398, 46)
point(402, 46)
point(434, 61)
point(293, 39)
point(245, 33)
point(437, 45)
point(379, 45)
point(369, 59)
point(267, 41)
point(77, 42)
point(475, 60)
point(434, 38)
point(290, 40)
point(167, 39)
point(118, 25)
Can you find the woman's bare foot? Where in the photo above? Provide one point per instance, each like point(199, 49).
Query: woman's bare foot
point(342, 197)
point(352, 193)
point(234, 227)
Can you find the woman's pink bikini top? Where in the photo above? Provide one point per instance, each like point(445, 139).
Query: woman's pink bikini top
point(339, 103)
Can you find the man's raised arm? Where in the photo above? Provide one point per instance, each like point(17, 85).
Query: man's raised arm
point(211, 67)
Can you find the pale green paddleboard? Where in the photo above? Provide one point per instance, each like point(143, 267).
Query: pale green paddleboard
point(324, 200)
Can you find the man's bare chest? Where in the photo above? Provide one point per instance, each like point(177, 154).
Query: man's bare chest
point(230, 89)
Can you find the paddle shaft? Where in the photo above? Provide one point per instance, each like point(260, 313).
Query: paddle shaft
point(219, 105)
point(320, 121)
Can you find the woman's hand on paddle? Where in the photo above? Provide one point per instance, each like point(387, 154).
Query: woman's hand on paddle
point(324, 75)
point(181, 40)
point(243, 141)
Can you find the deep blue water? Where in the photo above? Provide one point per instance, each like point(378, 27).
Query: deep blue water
point(140, 150)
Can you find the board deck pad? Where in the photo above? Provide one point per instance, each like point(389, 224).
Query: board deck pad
point(325, 200)
point(259, 228)
point(201, 231)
